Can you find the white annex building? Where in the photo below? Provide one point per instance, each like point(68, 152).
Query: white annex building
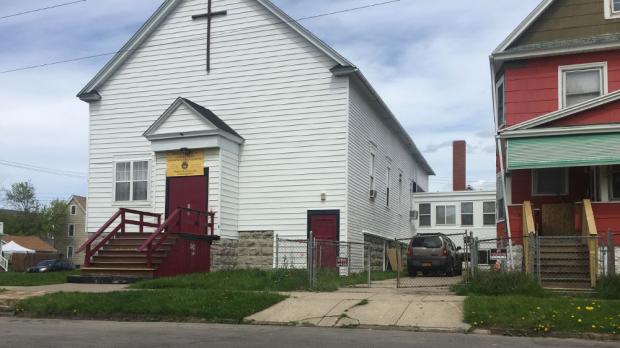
point(244, 112)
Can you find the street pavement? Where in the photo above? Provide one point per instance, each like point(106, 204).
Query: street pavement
point(17, 332)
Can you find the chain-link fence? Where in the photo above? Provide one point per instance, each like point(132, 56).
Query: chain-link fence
point(609, 254)
point(327, 259)
point(432, 260)
point(497, 254)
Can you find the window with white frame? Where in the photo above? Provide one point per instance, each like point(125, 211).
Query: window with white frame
point(612, 9)
point(131, 182)
point(445, 215)
point(424, 214)
point(580, 83)
point(70, 230)
point(488, 213)
point(387, 186)
point(501, 102)
point(614, 183)
point(73, 210)
point(69, 252)
point(550, 181)
point(467, 214)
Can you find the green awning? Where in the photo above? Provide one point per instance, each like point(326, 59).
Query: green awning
point(564, 151)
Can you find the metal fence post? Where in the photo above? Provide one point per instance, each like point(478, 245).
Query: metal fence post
point(309, 261)
point(369, 280)
point(397, 263)
point(474, 257)
point(349, 258)
point(277, 252)
point(611, 254)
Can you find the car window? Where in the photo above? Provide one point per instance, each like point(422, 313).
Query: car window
point(45, 263)
point(426, 242)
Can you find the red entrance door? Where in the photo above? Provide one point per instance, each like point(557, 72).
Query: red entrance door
point(325, 228)
point(188, 192)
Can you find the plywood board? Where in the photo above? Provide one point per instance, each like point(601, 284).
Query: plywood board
point(558, 220)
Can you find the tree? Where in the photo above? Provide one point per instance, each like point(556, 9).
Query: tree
point(21, 197)
point(54, 218)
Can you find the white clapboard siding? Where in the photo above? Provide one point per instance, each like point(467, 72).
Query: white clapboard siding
point(268, 83)
point(183, 120)
point(369, 133)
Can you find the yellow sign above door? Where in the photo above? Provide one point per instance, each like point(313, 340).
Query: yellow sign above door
point(189, 163)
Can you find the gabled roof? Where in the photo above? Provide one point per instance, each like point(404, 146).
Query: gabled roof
point(343, 66)
point(80, 200)
point(31, 242)
point(90, 90)
point(531, 18)
point(566, 112)
point(203, 113)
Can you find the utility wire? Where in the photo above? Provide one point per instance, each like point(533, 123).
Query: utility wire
point(41, 9)
point(52, 171)
point(222, 34)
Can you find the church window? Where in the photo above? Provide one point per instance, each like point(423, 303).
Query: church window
point(131, 181)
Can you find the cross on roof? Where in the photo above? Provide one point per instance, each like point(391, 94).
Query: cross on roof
point(209, 15)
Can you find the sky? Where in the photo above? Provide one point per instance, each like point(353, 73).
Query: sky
point(427, 59)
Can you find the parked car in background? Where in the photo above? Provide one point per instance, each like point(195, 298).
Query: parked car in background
point(433, 253)
point(52, 266)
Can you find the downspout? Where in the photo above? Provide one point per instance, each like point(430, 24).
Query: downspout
point(498, 143)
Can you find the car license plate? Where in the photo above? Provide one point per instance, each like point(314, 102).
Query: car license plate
point(426, 264)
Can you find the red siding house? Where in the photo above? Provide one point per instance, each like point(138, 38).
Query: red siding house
point(556, 82)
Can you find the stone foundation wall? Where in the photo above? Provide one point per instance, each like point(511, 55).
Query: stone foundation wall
point(253, 249)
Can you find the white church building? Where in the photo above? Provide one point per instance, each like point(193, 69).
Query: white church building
point(244, 112)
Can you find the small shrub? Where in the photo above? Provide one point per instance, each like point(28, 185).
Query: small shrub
point(609, 287)
point(500, 283)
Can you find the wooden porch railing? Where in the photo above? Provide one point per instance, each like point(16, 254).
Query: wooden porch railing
point(121, 214)
point(529, 232)
point(589, 231)
point(202, 223)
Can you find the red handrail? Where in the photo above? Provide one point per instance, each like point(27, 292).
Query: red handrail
point(151, 244)
point(87, 246)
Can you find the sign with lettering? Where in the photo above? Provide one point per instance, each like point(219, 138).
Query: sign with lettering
point(188, 163)
point(499, 254)
point(342, 262)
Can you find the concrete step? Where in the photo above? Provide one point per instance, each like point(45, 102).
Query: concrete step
point(556, 284)
point(571, 262)
point(545, 268)
point(141, 272)
point(137, 242)
point(127, 248)
point(563, 249)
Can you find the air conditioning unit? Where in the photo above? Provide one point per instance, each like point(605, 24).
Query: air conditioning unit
point(413, 214)
point(373, 194)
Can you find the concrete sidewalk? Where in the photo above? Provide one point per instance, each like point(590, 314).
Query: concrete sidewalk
point(374, 307)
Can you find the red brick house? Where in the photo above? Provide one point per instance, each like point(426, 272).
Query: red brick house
point(556, 82)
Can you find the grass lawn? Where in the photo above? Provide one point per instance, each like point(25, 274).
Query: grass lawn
point(33, 279)
point(541, 315)
point(169, 304)
point(259, 280)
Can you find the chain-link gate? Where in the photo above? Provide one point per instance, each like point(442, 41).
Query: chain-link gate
point(327, 259)
point(432, 260)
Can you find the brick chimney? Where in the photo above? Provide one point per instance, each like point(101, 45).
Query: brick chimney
point(458, 165)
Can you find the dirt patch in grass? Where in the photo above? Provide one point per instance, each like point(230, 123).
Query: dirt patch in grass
point(150, 305)
point(544, 315)
point(34, 279)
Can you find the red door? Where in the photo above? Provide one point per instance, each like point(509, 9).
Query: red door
point(188, 192)
point(325, 228)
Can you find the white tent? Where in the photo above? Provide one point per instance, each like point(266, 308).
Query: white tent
point(14, 248)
